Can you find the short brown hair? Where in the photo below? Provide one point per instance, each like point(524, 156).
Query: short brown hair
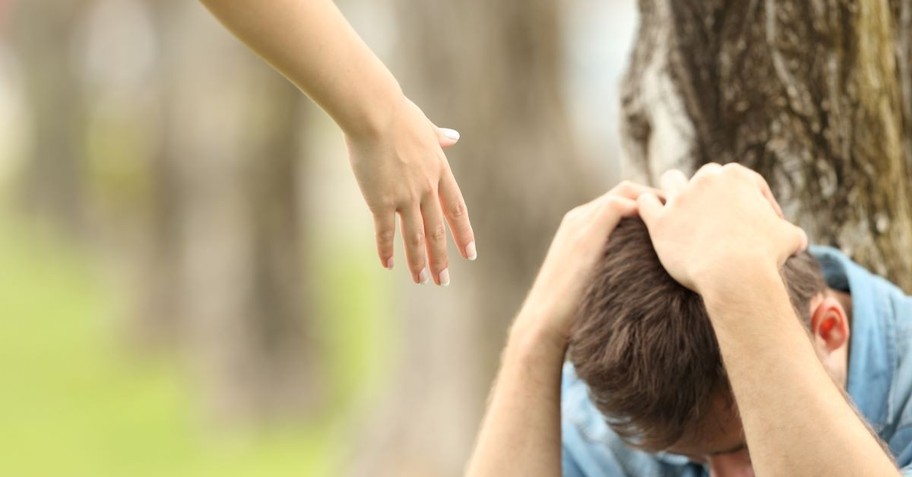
point(644, 343)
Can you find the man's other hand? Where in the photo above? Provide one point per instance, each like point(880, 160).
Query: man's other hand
point(722, 224)
point(577, 245)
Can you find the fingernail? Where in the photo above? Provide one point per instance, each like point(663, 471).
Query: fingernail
point(450, 133)
point(471, 253)
point(424, 276)
point(389, 263)
point(445, 277)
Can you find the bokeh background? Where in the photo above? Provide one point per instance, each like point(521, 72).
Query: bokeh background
point(188, 283)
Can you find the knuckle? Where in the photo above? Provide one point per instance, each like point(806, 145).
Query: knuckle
point(572, 214)
point(415, 239)
point(457, 210)
point(735, 169)
point(437, 233)
point(625, 186)
point(615, 204)
point(385, 237)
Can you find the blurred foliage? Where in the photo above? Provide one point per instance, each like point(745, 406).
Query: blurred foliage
point(75, 402)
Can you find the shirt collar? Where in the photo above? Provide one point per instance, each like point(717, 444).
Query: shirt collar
point(872, 352)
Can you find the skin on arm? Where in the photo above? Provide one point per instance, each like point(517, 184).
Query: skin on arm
point(796, 420)
point(395, 150)
point(520, 434)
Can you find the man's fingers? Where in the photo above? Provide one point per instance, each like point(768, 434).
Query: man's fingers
point(457, 215)
point(706, 169)
point(435, 233)
point(801, 239)
point(385, 233)
point(615, 208)
point(447, 137)
point(673, 182)
point(630, 190)
point(412, 226)
point(650, 209)
point(765, 190)
point(795, 240)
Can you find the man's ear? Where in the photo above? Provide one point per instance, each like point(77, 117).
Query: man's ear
point(829, 325)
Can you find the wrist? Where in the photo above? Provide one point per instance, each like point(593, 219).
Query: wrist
point(731, 274)
point(741, 286)
point(376, 112)
point(534, 330)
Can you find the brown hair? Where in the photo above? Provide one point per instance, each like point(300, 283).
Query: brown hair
point(644, 343)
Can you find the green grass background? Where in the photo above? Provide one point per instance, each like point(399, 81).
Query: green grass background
point(74, 403)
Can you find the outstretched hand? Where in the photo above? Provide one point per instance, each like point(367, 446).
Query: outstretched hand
point(403, 171)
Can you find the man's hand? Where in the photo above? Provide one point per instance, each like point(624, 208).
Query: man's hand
point(724, 221)
point(576, 248)
point(521, 432)
point(723, 235)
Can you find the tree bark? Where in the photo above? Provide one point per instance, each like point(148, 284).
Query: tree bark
point(492, 70)
point(814, 95)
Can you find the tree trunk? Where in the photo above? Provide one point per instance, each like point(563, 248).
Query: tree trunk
point(51, 187)
point(492, 70)
point(813, 95)
point(226, 268)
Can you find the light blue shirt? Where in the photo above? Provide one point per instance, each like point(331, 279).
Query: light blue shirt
point(879, 382)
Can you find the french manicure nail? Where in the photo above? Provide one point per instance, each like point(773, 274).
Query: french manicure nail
point(389, 263)
point(450, 133)
point(471, 253)
point(424, 276)
point(445, 277)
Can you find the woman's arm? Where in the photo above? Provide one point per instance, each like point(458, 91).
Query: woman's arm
point(395, 150)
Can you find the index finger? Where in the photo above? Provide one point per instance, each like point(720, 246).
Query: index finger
point(650, 208)
point(631, 190)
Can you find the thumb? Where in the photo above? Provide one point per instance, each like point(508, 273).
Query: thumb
point(650, 208)
point(447, 137)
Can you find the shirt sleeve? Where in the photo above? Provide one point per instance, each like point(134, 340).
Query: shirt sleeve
point(569, 467)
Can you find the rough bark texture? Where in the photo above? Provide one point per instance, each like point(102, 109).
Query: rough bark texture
point(815, 95)
point(492, 71)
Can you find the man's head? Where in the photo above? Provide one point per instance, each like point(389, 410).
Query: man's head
point(646, 348)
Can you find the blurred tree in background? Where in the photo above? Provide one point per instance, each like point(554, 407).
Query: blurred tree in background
point(158, 147)
point(192, 183)
point(494, 72)
point(219, 206)
point(816, 96)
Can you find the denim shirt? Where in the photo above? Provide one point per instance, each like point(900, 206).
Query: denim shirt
point(879, 382)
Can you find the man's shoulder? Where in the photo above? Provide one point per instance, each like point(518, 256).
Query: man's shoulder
point(880, 362)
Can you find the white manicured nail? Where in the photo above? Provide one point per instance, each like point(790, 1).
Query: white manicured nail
point(424, 276)
point(471, 253)
point(445, 277)
point(451, 134)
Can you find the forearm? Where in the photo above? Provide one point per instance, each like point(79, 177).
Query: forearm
point(796, 420)
point(521, 435)
point(311, 43)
